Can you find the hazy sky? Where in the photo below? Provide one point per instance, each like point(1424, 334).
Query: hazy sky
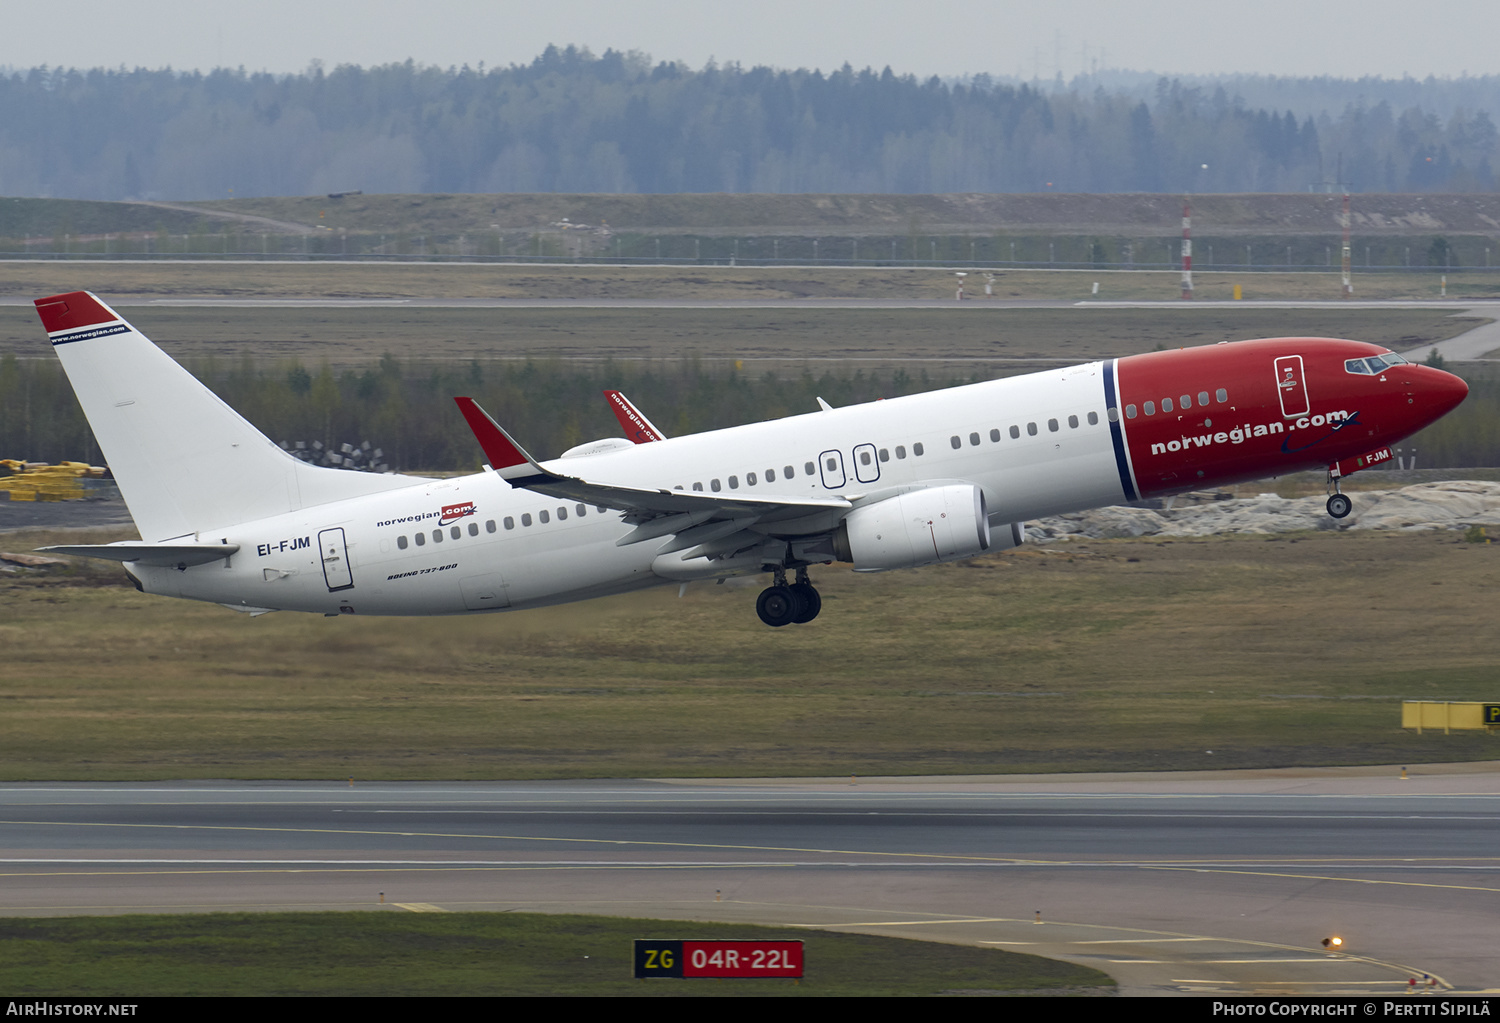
point(1288, 37)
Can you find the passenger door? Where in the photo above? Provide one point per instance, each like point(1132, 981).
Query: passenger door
point(334, 554)
point(1291, 385)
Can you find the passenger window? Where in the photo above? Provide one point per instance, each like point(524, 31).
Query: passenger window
point(900, 451)
point(1129, 411)
point(1015, 433)
point(955, 442)
point(864, 458)
point(421, 539)
point(437, 536)
point(526, 519)
point(1031, 429)
point(601, 509)
point(734, 483)
point(510, 523)
point(473, 529)
point(401, 542)
point(455, 532)
point(1202, 398)
point(1166, 405)
point(994, 436)
point(750, 479)
point(715, 486)
point(562, 514)
point(1052, 425)
point(543, 517)
point(1150, 408)
point(1187, 402)
point(698, 486)
point(789, 472)
point(811, 469)
point(582, 510)
point(1094, 417)
point(885, 454)
point(916, 449)
point(1072, 422)
point(1222, 394)
point(974, 439)
point(770, 475)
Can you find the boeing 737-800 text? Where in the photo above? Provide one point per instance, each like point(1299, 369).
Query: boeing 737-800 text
point(891, 484)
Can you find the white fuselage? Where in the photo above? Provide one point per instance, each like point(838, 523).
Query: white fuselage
point(1037, 445)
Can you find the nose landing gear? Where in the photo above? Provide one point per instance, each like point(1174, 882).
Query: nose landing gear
point(780, 604)
point(1339, 506)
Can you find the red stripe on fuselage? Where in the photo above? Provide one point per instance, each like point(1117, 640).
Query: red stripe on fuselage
point(1248, 435)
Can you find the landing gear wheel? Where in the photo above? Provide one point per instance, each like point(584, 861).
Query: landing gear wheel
point(809, 603)
point(1339, 506)
point(776, 606)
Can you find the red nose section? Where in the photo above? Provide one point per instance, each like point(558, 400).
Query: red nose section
point(1445, 392)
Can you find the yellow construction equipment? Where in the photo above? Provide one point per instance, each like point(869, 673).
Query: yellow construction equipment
point(38, 481)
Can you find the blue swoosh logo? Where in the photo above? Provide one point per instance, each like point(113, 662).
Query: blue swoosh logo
point(1351, 421)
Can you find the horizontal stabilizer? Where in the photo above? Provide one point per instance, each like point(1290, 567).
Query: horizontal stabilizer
point(163, 555)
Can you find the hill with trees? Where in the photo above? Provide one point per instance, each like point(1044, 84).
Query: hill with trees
point(573, 122)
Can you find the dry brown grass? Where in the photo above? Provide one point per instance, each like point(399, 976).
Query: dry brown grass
point(987, 341)
point(703, 283)
point(1104, 655)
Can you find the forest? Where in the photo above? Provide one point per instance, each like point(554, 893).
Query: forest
point(571, 121)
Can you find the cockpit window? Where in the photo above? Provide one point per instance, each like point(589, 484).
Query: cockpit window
point(1374, 364)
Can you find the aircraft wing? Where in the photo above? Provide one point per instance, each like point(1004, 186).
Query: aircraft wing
point(714, 521)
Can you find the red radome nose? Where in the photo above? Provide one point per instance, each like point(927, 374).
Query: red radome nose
point(1441, 391)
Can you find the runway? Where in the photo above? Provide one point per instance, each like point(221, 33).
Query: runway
point(1213, 883)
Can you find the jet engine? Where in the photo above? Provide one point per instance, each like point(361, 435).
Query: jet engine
point(918, 528)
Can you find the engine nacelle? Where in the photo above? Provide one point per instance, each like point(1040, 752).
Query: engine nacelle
point(598, 447)
point(919, 528)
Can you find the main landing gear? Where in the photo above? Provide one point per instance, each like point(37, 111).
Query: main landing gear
point(780, 604)
point(1339, 506)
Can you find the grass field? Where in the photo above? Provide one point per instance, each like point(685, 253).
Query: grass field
point(967, 340)
point(299, 279)
point(395, 953)
point(1248, 651)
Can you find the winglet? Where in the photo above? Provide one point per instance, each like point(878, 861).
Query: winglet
point(638, 428)
point(507, 457)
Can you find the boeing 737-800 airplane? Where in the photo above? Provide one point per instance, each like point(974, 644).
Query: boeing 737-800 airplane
point(890, 484)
